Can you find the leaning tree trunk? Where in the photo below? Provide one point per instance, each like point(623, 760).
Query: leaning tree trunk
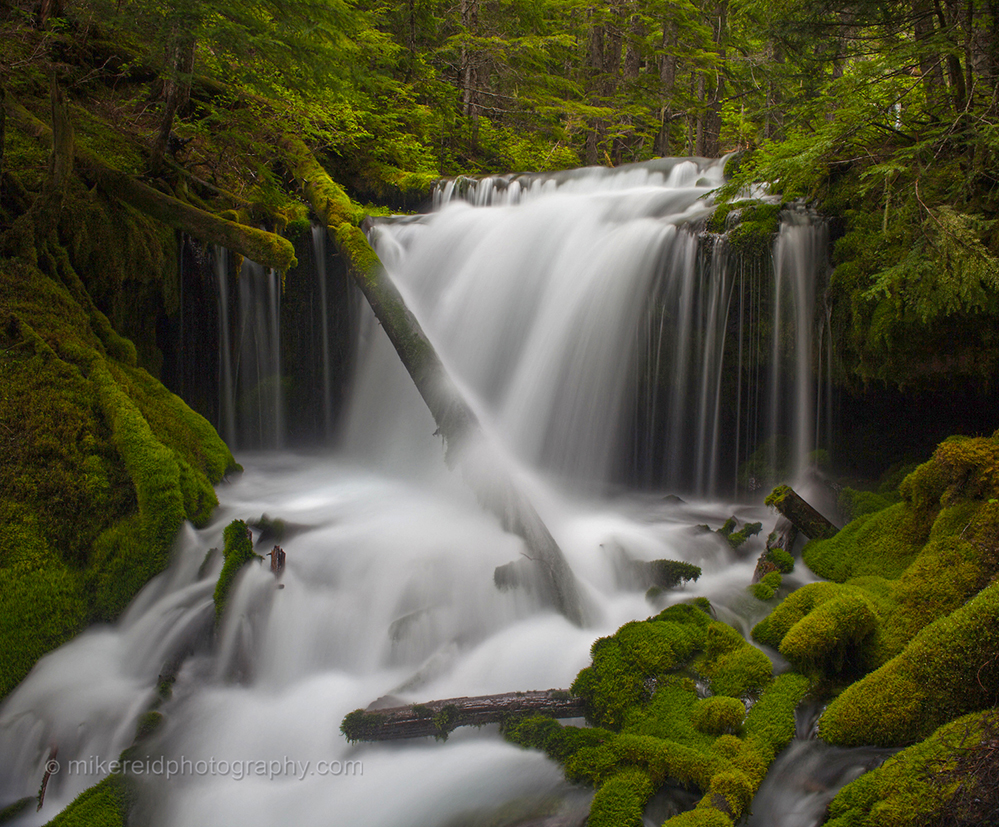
point(802, 515)
point(265, 248)
point(456, 421)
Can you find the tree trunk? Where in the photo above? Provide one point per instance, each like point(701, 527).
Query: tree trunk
point(176, 88)
point(455, 420)
point(440, 718)
point(805, 518)
point(265, 248)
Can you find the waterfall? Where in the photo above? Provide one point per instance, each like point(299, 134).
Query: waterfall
point(614, 351)
point(319, 257)
point(605, 335)
point(258, 372)
point(227, 388)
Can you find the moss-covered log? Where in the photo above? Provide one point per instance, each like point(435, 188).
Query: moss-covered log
point(439, 718)
point(257, 245)
point(455, 419)
point(805, 518)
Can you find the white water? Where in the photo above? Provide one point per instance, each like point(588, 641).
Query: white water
point(536, 305)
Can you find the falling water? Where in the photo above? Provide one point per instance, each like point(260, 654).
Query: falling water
point(258, 372)
point(319, 257)
point(570, 309)
point(227, 388)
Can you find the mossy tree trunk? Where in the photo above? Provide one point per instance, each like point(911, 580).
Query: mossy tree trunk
point(265, 248)
point(805, 518)
point(176, 85)
point(456, 421)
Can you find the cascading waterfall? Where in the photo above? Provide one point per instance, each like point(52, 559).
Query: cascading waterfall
point(602, 338)
point(319, 257)
point(227, 387)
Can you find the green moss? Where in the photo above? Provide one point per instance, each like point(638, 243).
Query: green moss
point(13, 811)
point(106, 804)
point(768, 586)
point(737, 538)
point(835, 638)
point(93, 490)
point(668, 574)
point(620, 801)
point(718, 715)
point(357, 725)
point(735, 667)
point(917, 785)
point(238, 551)
point(948, 669)
point(881, 544)
point(755, 227)
point(148, 724)
point(853, 503)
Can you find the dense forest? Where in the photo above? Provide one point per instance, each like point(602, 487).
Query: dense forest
point(125, 122)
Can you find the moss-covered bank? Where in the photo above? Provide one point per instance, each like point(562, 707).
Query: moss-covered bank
point(102, 465)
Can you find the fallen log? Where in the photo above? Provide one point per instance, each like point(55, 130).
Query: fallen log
point(455, 419)
point(805, 518)
point(440, 718)
point(262, 247)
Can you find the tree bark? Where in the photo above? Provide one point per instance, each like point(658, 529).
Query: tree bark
point(456, 421)
point(805, 518)
point(440, 718)
point(262, 247)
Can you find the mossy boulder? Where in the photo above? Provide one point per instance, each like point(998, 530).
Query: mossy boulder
point(945, 779)
point(238, 551)
point(652, 727)
point(947, 670)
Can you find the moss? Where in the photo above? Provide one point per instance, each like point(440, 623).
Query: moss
point(777, 496)
point(948, 669)
point(106, 804)
point(755, 225)
point(737, 538)
point(620, 801)
point(768, 586)
point(853, 503)
point(718, 716)
point(667, 574)
point(881, 544)
point(238, 551)
point(835, 638)
point(916, 785)
point(148, 724)
point(445, 721)
point(13, 811)
point(93, 490)
point(357, 725)
point(654, 729)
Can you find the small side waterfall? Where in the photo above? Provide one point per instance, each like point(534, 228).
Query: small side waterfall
point(227, 386)
point(319, 257)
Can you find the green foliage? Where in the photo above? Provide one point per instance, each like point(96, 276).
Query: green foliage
point(654, 728)
point(94, 490)
point(668, 574)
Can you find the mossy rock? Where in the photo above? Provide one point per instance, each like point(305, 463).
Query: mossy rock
point(927, 782)
point(768, 585)
point(238, 551)
point(947, 670)
point(718, 716)
point(106, 804)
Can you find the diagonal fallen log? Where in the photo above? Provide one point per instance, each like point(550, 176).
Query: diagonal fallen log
point(805, 518)
point(265, 248)
point(440, 718)
point(455, 419)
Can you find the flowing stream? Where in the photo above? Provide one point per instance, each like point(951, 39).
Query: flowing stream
point(603, 341)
